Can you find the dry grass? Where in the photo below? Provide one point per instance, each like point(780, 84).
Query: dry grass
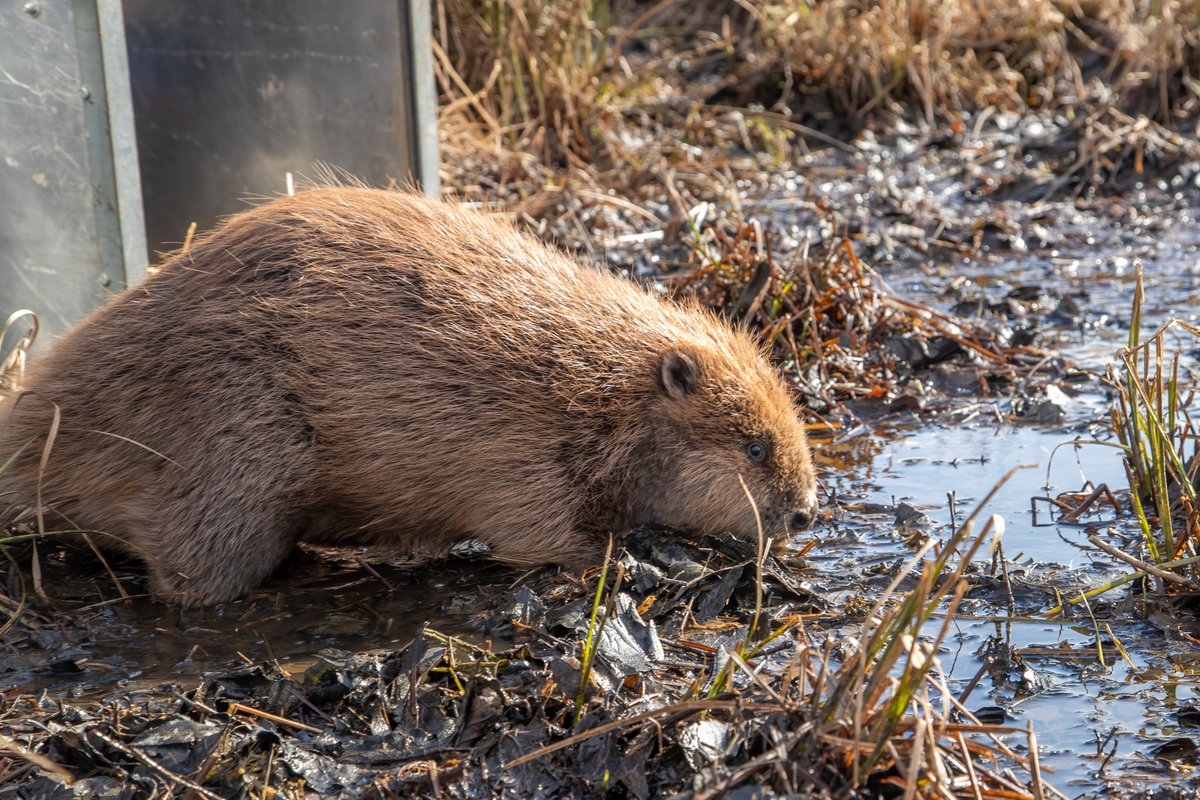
point(601, 94)
point(938, 56)
point(1149, 53)
point(833, 324)
point(967, 55)
point(523, 78)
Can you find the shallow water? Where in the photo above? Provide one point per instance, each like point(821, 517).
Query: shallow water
point(1087, 714)
point(1079, 698)
point(316, 601)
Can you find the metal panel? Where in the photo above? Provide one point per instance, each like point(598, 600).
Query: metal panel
point(231, 96)
point(127, 183)
point(61, 247)
point(422, 98)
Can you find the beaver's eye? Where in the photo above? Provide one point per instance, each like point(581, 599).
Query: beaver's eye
point(756, 450)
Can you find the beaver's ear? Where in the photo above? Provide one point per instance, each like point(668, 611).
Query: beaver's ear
point(678, 374)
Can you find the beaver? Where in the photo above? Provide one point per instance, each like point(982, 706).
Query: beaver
point(352, 365)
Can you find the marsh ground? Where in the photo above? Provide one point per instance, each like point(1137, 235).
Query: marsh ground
point(665, 154)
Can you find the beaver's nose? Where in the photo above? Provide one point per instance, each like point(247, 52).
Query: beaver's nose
point(803, 516)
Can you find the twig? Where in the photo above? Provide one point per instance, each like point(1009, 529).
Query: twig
point(145, 760)
point(691, 706)
point(1143, 566)
point(8, 745)
point(234, 708)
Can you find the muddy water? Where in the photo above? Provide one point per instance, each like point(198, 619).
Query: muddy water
point(335, 600)
point(1067, 694)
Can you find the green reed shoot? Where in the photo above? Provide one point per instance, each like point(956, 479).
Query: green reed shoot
point(1151, 419)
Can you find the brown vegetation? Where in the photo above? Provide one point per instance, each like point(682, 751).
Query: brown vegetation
point(604, 91)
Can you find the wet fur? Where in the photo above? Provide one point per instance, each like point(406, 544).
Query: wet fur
point(359, 366)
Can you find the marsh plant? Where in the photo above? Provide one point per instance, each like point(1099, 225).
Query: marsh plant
point(1153, 394)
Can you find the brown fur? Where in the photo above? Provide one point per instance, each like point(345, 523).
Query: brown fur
point(353, 365)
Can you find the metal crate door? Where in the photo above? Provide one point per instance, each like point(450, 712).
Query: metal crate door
point(232, 96)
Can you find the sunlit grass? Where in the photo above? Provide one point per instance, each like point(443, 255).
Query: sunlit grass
point(580, 87)
point(1151, 417)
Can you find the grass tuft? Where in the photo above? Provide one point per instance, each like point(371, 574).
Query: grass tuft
point(591, 642)
point(1160, 441)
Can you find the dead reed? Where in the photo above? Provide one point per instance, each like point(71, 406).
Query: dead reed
point(596, 92)
point(831, 321)
point(946, 58)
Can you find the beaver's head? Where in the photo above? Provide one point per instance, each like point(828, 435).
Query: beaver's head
point(721, 414)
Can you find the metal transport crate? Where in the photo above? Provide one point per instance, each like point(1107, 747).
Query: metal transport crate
point(122, 122)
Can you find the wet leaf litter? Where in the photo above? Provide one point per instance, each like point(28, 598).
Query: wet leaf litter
point(443, 715)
